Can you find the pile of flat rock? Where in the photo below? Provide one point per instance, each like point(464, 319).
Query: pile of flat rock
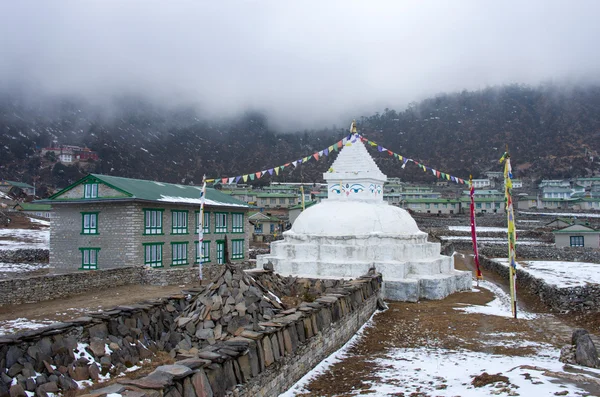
point(232, 303)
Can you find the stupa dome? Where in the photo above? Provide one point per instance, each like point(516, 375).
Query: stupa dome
point(354, 218)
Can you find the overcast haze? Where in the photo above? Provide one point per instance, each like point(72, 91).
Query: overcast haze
point(305, 63)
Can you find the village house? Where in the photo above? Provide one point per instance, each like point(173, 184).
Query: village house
point(105, 221)
point(577, 236)
point(277, 200)
point(432, 205)
point(39, 210)
point(16, 188)
point(264, 225)
point(295, 211)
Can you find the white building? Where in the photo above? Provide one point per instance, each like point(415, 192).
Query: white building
point(354, 229)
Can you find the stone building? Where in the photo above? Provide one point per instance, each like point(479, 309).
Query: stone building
point(105, 221)
point(577, 236)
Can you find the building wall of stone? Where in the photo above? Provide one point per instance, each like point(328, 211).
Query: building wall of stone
point(115, 238)
point(121, 234)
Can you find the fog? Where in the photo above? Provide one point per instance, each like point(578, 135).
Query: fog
point(304, 63)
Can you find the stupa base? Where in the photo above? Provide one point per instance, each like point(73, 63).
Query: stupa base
point(434, 287)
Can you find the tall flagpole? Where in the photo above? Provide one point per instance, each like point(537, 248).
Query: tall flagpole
point(512, 235)
point(201, 227)
point(474, 231)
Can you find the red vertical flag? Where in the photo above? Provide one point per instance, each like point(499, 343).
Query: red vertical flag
point(473, 230)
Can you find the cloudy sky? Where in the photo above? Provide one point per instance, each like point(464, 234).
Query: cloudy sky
point(305, 63)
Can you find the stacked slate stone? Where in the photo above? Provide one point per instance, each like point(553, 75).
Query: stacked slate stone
point(232, 303)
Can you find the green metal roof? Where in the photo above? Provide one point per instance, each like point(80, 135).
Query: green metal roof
point(306, 205)
point(141, 189)
point(34, 207)
point(21, 185)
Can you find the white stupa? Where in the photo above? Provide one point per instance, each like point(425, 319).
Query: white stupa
point(354, 229)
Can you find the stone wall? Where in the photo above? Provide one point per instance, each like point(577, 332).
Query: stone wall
point(24, 256)
point(269, 361)
point(55, 286)
point(47, 359)
point(574, 299)
point(263, 360)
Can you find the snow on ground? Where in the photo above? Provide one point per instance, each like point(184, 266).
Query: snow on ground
point(13, 239)
point(21, 267)
point(479, 229)
point(336, 357)
point(527, 221)
point(563, 214)
point(39, 221)
point(561, 274)
point(442, 372)
point(500, 306)
point(496, 240)
point(21, 324)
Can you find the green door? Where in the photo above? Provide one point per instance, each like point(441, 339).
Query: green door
point(220, 252)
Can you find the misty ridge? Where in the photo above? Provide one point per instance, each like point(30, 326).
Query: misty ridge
point(553, 131)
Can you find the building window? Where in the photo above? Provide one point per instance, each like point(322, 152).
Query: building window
point(220, 252)
point(153, 254)
point(237, 249)
point(477, 205)
point(220, 222)
point(89, 223)
point(292, 201)
point(427, 205)
point(179, 222)
point(90, 190)
point(237, 223)
point(89, 258)
point(153, 221)
point(488, 205)
point(205, 251)
point(272, 200)
point(281, 201)
point(179, 253)
point(205, 224)
point(577, 241)
point(258, 228)
point(263, 201)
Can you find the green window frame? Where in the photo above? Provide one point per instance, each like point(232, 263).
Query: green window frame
point(205, 224)
point(205, 251)
point(179, 253)
point(237, 222)
point(576, 241)
point(89, 223)
point(179, 222)
point(237, 249)
point(153, 221)
point(153, 254)
point(89, 258)
point(220, 252)
point(90, 190)
point(220, 222)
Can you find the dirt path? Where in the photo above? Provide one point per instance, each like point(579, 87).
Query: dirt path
point(437, 325)
point(76, 306)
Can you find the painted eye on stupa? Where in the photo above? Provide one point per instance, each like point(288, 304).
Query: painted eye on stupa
point(379, 189)
point(357, 188)
point(335, 189)
point(372, 188)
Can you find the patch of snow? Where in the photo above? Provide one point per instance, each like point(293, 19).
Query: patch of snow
point(478, 228)
point(21, 324)
point(336, 357)
point(21, 267)
point(13, 239)
point(39, 221)
point(133, 368)
point(144, 150)
point(187, 200)
point(500, 306)
point(276, 297)
point(563, 214)
point(560, 274)
point(527, 221)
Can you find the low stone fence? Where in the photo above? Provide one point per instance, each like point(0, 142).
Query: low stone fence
point(25, 256)
point(269, 361)
point(62, 285)
point(262, 360)
point(47, 359)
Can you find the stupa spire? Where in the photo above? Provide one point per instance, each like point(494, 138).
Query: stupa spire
point(354, 174)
